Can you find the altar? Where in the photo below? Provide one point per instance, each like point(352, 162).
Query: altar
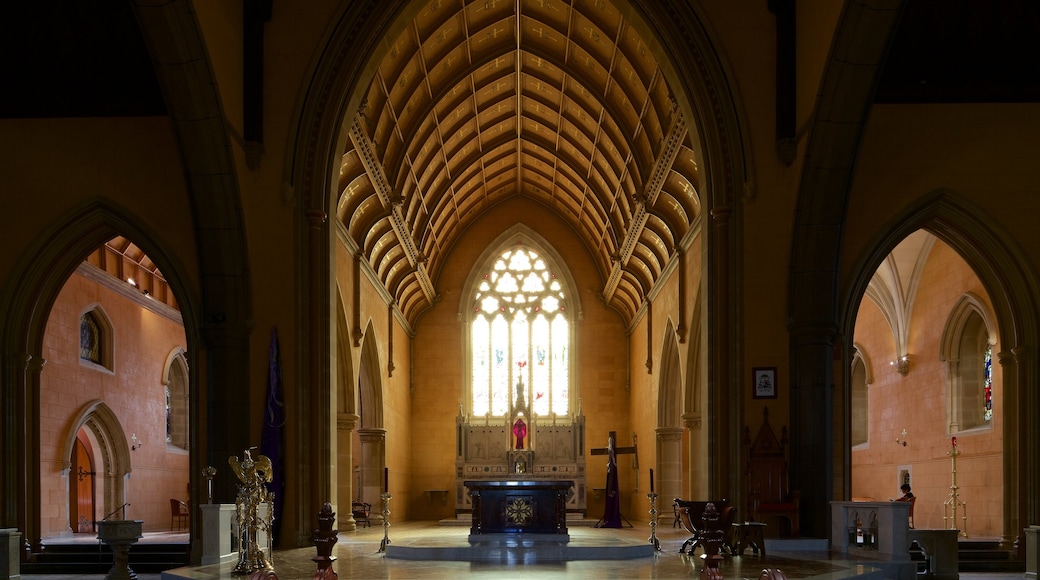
point(518, 506)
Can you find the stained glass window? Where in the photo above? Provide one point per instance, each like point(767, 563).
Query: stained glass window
point(520, 337)
point(90, 338)
point(987, 383)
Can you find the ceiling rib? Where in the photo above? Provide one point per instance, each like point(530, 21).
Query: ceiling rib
point(674, 138)
point(375, 174)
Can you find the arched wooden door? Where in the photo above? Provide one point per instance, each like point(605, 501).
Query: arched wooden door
point(82, 516)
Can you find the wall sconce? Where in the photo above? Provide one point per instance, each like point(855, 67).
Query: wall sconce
point(902, 364)
point(903, 440)
point(137, 444)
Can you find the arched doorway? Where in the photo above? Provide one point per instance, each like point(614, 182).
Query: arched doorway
point(670, 430)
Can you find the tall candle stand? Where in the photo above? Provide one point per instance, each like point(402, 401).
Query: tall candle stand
point(386, 521)
point(653, 521)
point(954, 500)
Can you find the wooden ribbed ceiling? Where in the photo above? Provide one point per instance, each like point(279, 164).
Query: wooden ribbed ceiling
point(477, 102)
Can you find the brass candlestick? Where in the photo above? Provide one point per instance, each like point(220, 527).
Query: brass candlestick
point(955, 501)
point(653, 522)
point(386, 521)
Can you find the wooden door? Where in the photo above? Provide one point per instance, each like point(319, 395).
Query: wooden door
point(81, 487)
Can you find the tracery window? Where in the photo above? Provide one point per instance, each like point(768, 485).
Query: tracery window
point(967, 348)
point(520, 336)
point(90, 338)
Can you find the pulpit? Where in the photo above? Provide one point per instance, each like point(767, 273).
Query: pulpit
point(518, 507)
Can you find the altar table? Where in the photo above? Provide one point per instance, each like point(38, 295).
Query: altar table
point(520, 506)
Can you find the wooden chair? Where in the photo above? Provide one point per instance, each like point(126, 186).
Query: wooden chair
point(691, 515)
point(361, 511)
point(913, 500)
point(179, 513)
point(769, 492)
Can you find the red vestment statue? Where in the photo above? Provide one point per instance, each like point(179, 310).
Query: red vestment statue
point(520, 431)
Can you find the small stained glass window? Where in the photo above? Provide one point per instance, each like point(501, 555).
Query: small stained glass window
point(90, 338)
point(987, 383)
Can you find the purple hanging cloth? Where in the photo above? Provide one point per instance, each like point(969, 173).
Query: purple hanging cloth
point(272, 438)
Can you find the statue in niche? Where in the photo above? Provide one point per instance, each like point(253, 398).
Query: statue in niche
point(519, 431)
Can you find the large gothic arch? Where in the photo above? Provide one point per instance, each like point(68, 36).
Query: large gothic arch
point(1011, 284)
point(339, 76)
point(27, 302)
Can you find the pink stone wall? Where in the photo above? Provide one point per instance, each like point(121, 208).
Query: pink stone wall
point(918, 401)
point(134, 390)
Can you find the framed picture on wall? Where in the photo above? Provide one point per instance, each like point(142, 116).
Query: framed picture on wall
point(763, 382)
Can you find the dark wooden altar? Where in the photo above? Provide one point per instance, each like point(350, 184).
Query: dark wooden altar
point(519, 506)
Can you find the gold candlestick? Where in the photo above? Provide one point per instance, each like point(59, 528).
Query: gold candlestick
point(954, 501)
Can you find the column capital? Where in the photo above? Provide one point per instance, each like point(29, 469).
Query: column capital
point(670, 433)
point(346, 421)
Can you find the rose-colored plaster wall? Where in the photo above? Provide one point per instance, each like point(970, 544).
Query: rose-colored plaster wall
point(134, 391)
point(918, 401)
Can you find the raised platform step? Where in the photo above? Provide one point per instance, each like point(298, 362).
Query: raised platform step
point(519, 548)
point(985, 555)
point(94, 558)
point(573, 520)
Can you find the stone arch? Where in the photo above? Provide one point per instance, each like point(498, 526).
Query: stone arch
point(669, 433)
point(175, 379)
point(680, 41)
point(695, 399)
point(27, 301)
point(370, 408)
point(102, 423)
point(346, 416)
point(1009, 279)
point(970, 311)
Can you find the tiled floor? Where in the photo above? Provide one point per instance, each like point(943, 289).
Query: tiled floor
point(359, 557)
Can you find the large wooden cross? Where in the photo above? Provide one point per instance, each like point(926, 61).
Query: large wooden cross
point(612, 505)
point(612, 450)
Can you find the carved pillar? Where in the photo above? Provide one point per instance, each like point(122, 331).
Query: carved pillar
point(669, 464)
point(723, 396)
point(698, 487)
point(373, 458)
point(317, 396)
point(1012, 529)
point(345, 425)
point(30, 477)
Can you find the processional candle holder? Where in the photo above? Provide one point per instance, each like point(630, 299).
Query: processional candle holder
point(653, 522)
point(386, 521)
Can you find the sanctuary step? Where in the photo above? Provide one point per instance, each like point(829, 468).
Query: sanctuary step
point(573, 520)
point(985, 555)
point(95, 558)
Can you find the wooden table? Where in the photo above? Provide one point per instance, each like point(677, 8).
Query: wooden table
point(748, 534)
point(519, 507)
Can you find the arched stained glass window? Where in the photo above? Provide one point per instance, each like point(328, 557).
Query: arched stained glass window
point(90, 338)
point(520, 337)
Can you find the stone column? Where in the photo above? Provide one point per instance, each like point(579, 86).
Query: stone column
point(373, 458)
point(669, 468)
point(698, 466)
point(345, 425)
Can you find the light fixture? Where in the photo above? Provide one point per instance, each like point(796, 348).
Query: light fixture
point(903, 440)
point(131, 282)
point(902, 364)
point(137, 443)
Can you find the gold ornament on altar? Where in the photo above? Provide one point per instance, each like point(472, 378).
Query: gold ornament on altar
point(253, 474)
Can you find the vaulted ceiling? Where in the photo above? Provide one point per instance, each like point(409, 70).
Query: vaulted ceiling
point(558, 101)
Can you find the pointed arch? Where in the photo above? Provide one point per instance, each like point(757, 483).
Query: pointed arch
point(1009, 279)
point(175, 379)
point(25, 306)
point(669, 432)
point(346, 388)
point(370, 382)
point(967, 338)
point(113, 449)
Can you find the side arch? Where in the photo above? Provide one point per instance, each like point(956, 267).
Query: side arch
point(1012, 284)
point(26, 304)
